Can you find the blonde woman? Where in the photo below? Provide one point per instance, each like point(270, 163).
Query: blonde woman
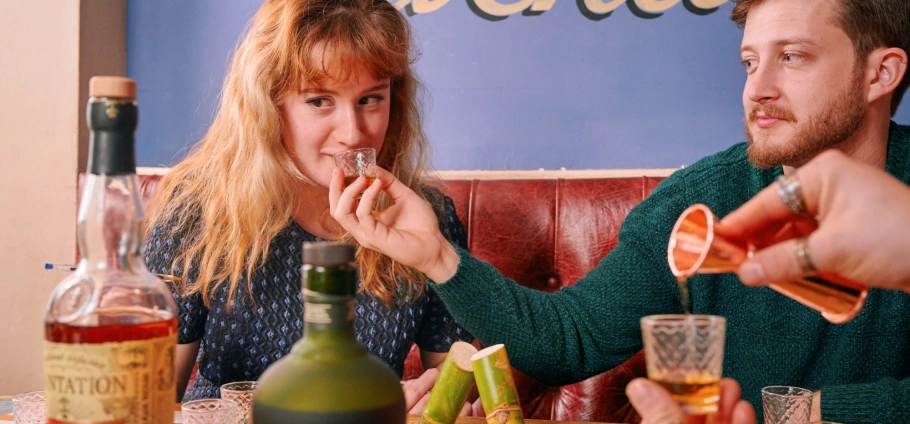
point(310, 78)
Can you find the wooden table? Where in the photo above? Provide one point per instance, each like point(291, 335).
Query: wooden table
point(414, 419)
point(6, 415)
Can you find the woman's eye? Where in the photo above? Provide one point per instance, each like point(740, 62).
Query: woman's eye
point(318, 102)
point(371, 100)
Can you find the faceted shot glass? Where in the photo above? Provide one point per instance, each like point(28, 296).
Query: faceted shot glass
point(786, 405)
point(29, 408)
point(241, 393)
point(356, 163)
point(685, 355)
point(210, 411)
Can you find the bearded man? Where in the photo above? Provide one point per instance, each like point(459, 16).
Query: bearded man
point(821, 74)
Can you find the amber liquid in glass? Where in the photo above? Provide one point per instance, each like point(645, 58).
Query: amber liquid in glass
point(696, 395)
point(349, 179)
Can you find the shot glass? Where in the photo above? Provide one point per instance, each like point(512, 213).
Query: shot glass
point(785, 404)
point(685, 355)
point(210, 411)
point(29, 408)
point(356, 163)
point(241, 393)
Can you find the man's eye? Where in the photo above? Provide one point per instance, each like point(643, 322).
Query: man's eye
point(748, 63)
point(792, 57)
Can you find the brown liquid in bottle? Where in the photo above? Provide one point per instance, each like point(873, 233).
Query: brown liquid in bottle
point(63, 333)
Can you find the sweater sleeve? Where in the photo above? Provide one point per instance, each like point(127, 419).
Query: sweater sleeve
point(585, 329)
point(884, 401)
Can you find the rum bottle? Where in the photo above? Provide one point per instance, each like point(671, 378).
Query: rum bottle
point(111, 328)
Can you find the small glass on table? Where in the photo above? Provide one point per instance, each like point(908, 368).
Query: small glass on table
point(210, 411)
point(685, 355)
point(356, 163)
point(786, 404)
point(241, 393)
point(29, 408)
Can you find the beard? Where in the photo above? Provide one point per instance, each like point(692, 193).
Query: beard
point(831, 126)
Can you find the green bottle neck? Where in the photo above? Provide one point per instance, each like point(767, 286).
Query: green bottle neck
point(328, 327)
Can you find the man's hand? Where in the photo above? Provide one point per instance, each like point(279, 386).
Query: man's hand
point(655, 405)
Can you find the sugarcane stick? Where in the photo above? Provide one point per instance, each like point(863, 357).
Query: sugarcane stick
point(451, 389)
point(497, 386)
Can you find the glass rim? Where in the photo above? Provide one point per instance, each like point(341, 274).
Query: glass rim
point(23, 397)
point(357, 150)
point(797, 391)
point(222, 404)
point(239, 386)
point(682, 318)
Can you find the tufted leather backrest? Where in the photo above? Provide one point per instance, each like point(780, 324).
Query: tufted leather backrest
point(544, 234)
point(547, 234)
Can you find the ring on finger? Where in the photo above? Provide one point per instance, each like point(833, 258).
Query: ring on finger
point(802, 256)
point(790, 191)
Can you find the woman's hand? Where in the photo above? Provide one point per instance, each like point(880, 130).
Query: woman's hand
point(407, 231)
point(861, 214)
point(417, 393)
point(655, 405)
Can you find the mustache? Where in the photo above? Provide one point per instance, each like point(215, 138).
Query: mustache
point(771, 110)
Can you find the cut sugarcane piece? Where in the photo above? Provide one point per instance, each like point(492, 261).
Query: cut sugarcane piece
point(452, 386)
point(496, 385)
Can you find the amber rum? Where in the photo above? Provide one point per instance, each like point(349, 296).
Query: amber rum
point(695, 395)
point(110, 327)
point(349, 179)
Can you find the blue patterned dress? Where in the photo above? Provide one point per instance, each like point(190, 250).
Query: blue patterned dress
point(239, 344)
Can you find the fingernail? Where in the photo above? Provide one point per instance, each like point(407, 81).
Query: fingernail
point(752, 273)
point(640, 391)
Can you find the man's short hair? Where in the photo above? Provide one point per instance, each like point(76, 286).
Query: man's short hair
point(870, 24)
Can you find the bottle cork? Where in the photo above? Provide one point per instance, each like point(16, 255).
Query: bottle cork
point(112, 86)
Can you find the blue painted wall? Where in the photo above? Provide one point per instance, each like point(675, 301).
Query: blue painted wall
point(548, 84)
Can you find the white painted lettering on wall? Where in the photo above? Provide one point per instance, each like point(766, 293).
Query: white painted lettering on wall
point(495, 10)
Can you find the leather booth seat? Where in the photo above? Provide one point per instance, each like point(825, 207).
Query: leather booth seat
point(544, 234)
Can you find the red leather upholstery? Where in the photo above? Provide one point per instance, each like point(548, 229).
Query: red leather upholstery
point(545, 234)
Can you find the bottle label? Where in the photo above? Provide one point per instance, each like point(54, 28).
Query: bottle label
point(320, 308)
point(128, 382)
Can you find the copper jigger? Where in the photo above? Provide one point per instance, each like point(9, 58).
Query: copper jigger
point(696, 249)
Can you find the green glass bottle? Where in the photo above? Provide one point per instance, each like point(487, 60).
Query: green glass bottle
point(329, 377)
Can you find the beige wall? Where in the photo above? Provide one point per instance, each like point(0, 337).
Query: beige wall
point(43, 71)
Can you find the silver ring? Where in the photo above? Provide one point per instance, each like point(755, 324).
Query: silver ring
point(790, 191)
point(802, 256)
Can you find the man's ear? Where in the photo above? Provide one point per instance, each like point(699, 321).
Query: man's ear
point(886, 68)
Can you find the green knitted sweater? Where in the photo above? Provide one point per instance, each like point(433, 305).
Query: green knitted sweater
point(592, 326)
